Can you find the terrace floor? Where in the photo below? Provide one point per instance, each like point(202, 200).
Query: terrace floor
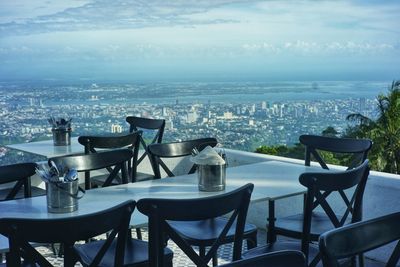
point(180, 259)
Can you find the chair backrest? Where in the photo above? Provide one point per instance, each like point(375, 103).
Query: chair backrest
point(131, 141)
point(157, 125)
point(356, 149)
point(284, 258)
point(20, 174)
point(360, 237)
point(67, 230)
point(160, 211)
point(115, 159)
point(173, 150)
point(321, 184)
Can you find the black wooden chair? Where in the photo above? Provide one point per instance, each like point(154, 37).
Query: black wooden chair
point(117, 250)
point(19, 177)
point(162, 212)
point(175, 150)
point(116, 159)
point(19, 174)
point(285, 258)
point(92, 144)
point(193, 230)
point(355, 239)
point(319, 216)
point(355, 149)
point(147, 125)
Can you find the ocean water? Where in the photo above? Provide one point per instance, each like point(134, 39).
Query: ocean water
point(196, 92)
point(251, 92)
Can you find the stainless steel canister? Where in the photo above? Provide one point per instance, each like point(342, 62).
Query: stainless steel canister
point(62, 197)
point(211, 177)
point(61, 137)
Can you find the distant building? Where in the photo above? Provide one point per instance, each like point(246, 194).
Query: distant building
point(164, 112)
point(228, 115)
point(263, 105)
point(169, 125)
point(238, 110)
point(253, 108)
point(363, 103)
point(192, 117)
point(116, 128)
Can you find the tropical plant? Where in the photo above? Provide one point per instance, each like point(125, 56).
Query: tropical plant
point(296, 151)
point(330, 132)
point(384, 131)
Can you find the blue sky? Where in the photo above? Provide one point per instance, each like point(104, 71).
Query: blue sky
point(214, 40)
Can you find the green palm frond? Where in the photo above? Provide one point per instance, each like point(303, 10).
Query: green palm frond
point(384, 131)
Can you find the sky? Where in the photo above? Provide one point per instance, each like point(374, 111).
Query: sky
point(189, 40)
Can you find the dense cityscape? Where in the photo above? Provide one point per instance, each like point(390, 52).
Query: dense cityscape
point(239, 124)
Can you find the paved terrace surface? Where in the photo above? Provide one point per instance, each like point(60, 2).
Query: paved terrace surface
point(181, 260)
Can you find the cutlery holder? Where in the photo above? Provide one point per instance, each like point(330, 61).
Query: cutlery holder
point(63, 197)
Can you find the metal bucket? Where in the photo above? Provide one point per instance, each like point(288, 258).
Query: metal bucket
point(211, 177)
point(61, 137)
point(62, 197)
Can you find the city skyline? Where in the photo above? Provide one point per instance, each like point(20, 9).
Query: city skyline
point(199, 40)
point(243, 124)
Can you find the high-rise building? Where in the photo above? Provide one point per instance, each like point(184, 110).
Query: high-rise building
point(169, 125)
point(164, 111)
point(253, 108)
point(263, 105)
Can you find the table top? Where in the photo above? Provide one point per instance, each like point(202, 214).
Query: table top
point(48, 149)
point(272, 180)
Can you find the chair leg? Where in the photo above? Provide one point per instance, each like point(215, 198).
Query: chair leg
point(271, 234)
point(202, 251)
point(138, 233)
point(69, 256)
point(252, 241)
point(215, 260)
point(54, 249)
point(314, 261)
point(61, 250)
point(360, 260)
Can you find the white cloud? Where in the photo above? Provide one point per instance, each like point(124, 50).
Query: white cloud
point(199, 32)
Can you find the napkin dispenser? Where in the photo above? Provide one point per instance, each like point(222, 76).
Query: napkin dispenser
point(211, 177)
point(211, 170)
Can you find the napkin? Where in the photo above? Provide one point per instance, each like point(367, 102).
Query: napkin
point(208, 156)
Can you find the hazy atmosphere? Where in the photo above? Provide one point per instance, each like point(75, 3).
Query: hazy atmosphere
point(184, 40)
